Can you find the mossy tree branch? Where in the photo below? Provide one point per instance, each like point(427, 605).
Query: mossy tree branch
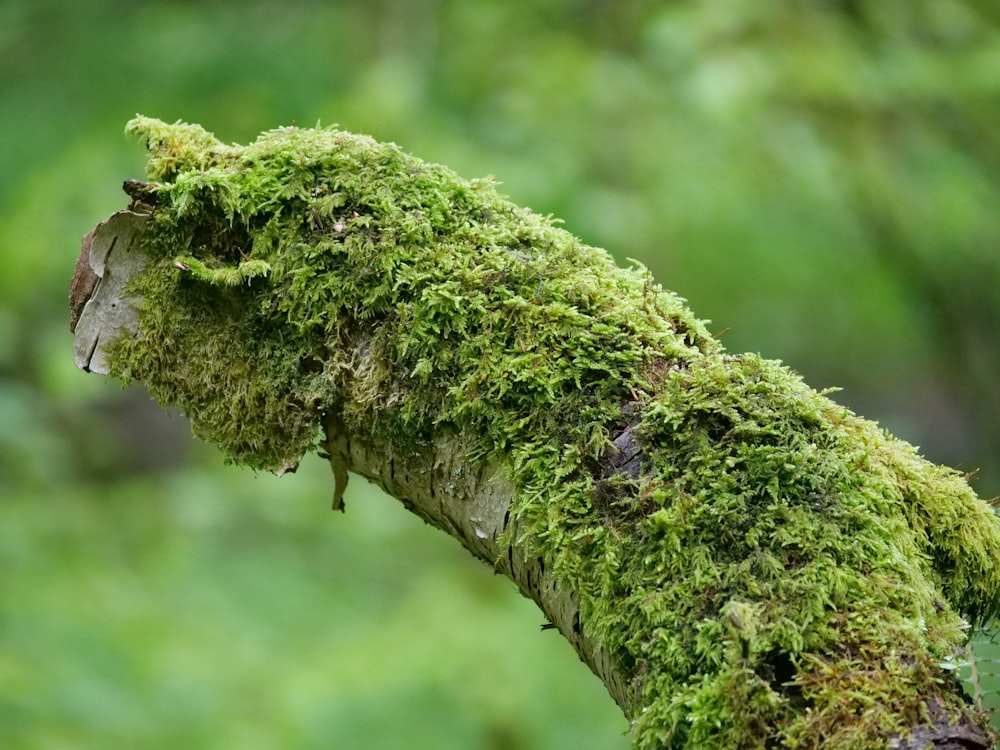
point(743, 562)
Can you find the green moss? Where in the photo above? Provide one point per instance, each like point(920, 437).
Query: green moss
point(799, 540)
point(779, 573)
point(228, 276)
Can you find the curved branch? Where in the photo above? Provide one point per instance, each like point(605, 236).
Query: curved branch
point(444, 487)
point(741, 561)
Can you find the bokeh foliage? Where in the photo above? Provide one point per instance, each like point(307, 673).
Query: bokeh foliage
point(819, 178)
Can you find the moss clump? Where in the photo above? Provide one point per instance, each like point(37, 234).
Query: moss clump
point(777, 573)
point(802, 572)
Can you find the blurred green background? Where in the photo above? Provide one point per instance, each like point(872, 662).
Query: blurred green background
point(820, 179)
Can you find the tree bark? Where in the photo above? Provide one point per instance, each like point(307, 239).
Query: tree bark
point(717, 461)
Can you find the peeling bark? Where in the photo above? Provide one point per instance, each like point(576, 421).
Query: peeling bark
point(100, 309)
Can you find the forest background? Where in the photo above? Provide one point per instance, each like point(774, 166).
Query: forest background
point(821, 180)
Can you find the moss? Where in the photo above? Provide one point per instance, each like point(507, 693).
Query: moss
point(778, 573)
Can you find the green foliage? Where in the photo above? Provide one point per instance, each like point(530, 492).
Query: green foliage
point(774, 544)
point(165, 613)
point(820, 179)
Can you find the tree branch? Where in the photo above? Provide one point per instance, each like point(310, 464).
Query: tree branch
point(742, 562)
point(470, 502)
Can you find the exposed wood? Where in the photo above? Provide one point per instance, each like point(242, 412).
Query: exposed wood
point(100, 309)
